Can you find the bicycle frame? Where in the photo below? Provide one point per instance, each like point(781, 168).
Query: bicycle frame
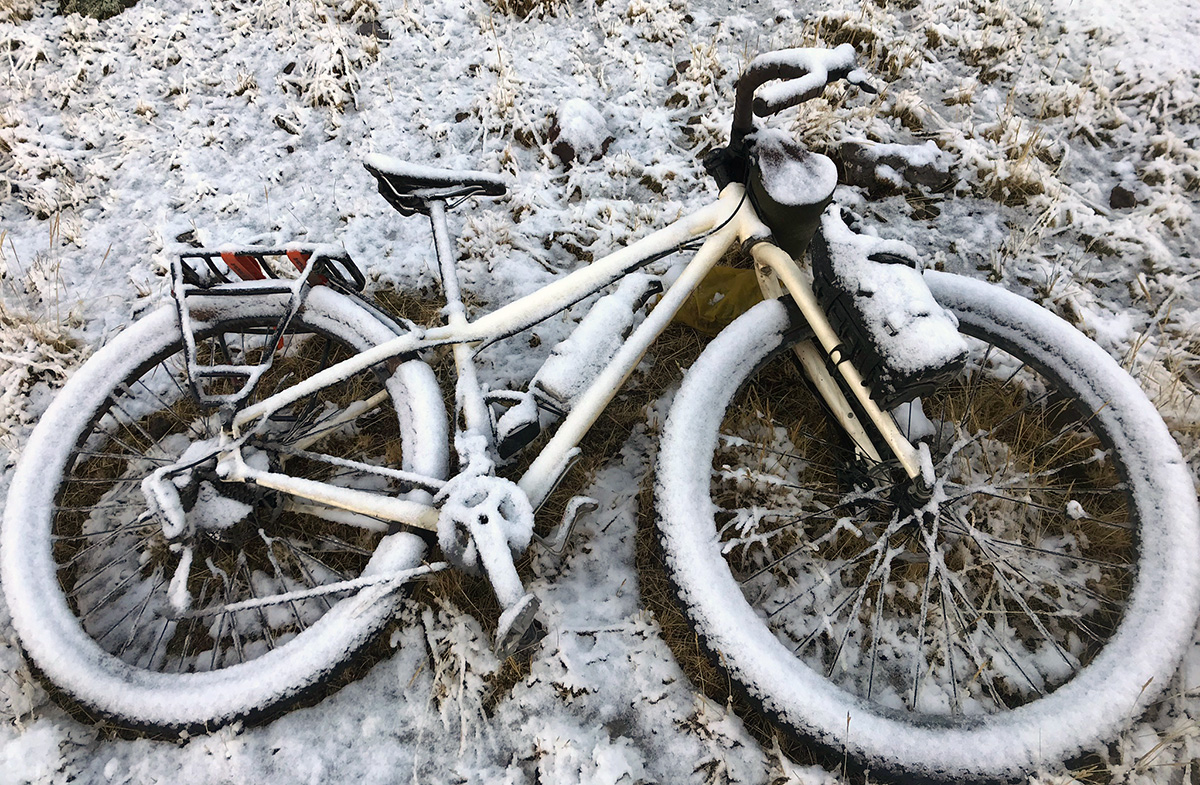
point(728, 220)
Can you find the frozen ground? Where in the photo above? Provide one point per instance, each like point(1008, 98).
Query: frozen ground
point(1074, 124)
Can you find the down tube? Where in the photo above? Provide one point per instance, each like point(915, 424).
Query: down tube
point(541, 477)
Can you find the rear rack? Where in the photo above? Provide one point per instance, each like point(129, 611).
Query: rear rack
point(334, 268)
point(200, 273)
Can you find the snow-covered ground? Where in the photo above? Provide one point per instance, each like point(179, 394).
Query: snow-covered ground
point(1073, 124)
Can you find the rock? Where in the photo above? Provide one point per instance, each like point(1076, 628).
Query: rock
point(1121, 198)
point(579, 133)
point(896, 167)
point(375, 30)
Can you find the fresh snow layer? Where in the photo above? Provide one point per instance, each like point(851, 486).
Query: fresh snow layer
point(905, 326)
point(790, 180)
point(1159, 37)
point(247, 124)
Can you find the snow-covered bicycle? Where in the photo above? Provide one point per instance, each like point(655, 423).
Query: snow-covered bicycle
point(915, 517)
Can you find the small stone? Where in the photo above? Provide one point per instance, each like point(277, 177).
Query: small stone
point(286, 125)
point(375, 30)
point(1121, 198)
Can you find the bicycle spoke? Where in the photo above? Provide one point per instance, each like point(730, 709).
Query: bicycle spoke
point(956, 705)
point(1033, 617)
point(794, 521)
point(976, 534)
point(117, 456)
point(880, 601)
point(113, 592)
point(977, 658)
point(737, 441)
point(300, 625)
point(141, 522)
point(262, 614)
point(119, 558)
point(923, 614)
point(140, 608)
point(973, 385)
point(1034, 506)
point(854, 611)
point(958, 448)
point(166, 407)
point(185, 649)
point(300, 555)
point(150, 660)
point(991, 632)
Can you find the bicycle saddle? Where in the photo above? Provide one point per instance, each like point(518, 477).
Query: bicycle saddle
point(411, 187)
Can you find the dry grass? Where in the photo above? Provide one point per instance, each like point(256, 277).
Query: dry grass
point(526, 9)
point(98, 9)
point(17, 11)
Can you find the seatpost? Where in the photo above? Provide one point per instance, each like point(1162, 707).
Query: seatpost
point(468, 395)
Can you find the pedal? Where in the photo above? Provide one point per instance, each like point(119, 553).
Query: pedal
point(515, 623)
point(518, 426)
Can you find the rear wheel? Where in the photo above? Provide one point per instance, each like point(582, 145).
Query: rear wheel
point(130, 618)
point(1014, 618)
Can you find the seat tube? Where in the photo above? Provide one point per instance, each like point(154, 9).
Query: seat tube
point(445, 259)
point(468, 395)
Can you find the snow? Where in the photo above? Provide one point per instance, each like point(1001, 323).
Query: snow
point(247, 123)
point(926, 154)
point(583, 134)
point(575, 362)
point(1156, 37)
point(814, 64)
point(903, 323)
point(789, 180)
point(413, 171)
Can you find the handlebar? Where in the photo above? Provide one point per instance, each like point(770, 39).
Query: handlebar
point(803, 74)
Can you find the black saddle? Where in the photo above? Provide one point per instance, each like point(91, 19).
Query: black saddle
point(411, 187)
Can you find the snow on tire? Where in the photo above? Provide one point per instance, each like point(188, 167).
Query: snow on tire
point(99, 597)
point(1026, 613)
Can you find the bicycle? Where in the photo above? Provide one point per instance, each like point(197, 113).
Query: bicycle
point(916, 518)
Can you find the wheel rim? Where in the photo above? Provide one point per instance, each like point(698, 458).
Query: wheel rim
point(990, 598)
point(116, 568)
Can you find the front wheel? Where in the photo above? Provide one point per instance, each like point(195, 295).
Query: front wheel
point(1025, 613)
point(159, 630)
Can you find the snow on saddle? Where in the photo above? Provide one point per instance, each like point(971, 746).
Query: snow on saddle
point(411, 187)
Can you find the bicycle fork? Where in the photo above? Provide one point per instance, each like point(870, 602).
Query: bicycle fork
point(778, 274)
